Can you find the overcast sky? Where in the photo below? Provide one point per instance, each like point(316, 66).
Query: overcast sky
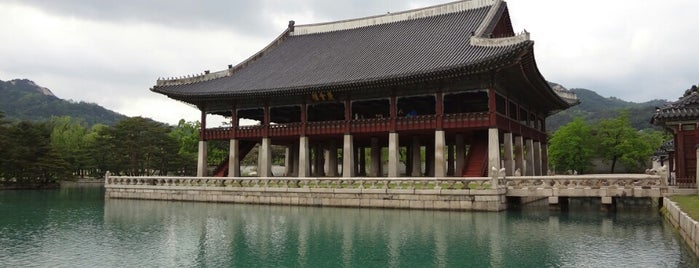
point(110, 52)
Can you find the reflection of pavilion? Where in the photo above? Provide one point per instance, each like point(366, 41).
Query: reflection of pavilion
point(452, 76)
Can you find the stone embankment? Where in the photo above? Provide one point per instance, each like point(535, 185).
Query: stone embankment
point(687, 227)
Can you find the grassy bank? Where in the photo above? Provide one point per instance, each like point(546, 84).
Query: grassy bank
point(689, 204)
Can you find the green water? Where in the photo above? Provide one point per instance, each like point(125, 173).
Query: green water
point(76, 227)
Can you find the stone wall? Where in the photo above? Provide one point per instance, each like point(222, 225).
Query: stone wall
point(437, 199)
point(688, 227)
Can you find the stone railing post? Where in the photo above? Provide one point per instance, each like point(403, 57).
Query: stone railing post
point(664, 175)
point(106, 177)
point(495, 177)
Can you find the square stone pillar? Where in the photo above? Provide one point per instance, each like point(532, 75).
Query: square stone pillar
point(416, 170)
point(348, 168)
point(493, 151)
point(264, 159)
point(287, 160)
point(537, 158)
point(202, 164)
point(318, 161)
point(234, 159)
point(362, 161)
point(429, 160)
point(294, 164)
point(304, 169)
point(544, 159)
point(375, 158)
point(519, 154)
point(460, 155)
point(331, 159)
point(439, 164)
point(393, 152)
point(509, 152)
point(450, 160)
point(529, 164)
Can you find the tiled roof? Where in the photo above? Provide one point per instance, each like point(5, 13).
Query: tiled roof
point(684, 109)
point(399, 49)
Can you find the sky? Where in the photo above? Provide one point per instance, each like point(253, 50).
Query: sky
point(111, 52)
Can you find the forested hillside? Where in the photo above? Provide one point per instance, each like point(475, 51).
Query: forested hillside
point(22, 99)
point(593, 108)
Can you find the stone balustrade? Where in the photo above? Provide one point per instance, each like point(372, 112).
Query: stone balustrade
point(585, 181)
point(408, 183)
point(449, 193)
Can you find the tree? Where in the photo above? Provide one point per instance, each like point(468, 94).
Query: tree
point(138, 146)
point(617, 141)
point(67, 138)
point(571, 147)
point(187, 136)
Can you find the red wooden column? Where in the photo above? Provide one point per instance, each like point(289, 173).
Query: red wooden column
point(392, 113)
point(234, 123)
point(348, 114)
point(202, 126)
point(681, 166)
point(439, 109)
point(303, 118)
point(491, 107)
point(265, 121)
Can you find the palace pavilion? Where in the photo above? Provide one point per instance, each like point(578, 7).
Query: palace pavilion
point(449, 90)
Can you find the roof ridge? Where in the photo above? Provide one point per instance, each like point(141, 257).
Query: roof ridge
point(424, 12)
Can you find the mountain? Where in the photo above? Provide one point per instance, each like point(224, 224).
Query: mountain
point(22, 99)
point(594, 107)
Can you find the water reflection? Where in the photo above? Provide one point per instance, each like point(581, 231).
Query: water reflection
point(183, 234)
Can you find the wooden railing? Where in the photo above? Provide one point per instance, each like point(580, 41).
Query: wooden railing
point(338, 127)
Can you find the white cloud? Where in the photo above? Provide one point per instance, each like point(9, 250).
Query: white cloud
point(111, 55)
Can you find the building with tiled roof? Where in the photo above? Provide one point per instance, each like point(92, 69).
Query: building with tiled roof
point(681, 118)
point(452, 76)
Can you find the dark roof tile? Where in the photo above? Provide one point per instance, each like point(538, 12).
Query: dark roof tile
point(372, 53)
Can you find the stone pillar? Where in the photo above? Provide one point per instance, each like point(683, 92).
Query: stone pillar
point(493, 151)
point(304, 169)
point(519, 155)
point(233, 159)
point(362, 162)
point(450, 160)
point(318, 161)
point(460, 155)
point(416, 170)
point(439, 165)
point(287, 160)
point(544, 159)
point(537, 158)
point(264, 159)
point(202, 165)
point(348, 168)
point(375, 158)
point(508, 159)
point(393, 151)
point(408, 160)
point(289, 164)
point(529, 164)
point(331, 159)
point(429, 160)
point(294, 164)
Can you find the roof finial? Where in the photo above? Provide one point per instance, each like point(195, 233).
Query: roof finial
point(291, 25)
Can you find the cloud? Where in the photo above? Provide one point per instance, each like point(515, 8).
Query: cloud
point(111, 52)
